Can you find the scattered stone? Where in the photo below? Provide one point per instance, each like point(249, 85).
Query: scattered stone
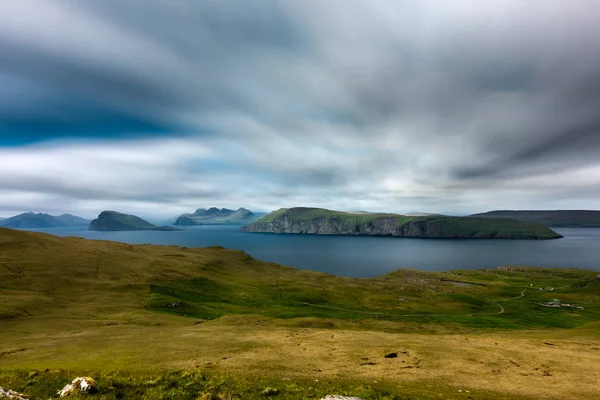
point(11, 395)
point(269, 391)
point(175, 304)
point(79, 385)
point(391, 355)
point(336, 397)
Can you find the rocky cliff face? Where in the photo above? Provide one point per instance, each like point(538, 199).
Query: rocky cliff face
point(325, 226)
point(325, 222)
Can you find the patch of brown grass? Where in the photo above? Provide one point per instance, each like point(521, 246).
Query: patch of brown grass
point(506, 363)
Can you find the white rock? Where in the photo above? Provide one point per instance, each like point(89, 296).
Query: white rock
point(11, 395)
point(79, 385)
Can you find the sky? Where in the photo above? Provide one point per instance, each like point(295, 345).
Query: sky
point(161, 107)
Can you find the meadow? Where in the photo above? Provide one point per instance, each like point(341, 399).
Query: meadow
point(168, 322)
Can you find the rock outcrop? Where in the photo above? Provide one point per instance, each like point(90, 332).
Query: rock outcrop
point(7, 394)
point(302, 220)
point(79, 385)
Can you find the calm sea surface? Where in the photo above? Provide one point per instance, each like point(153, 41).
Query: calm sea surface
point(363, 256)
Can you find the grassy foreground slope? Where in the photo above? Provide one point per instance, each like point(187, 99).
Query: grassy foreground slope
point(171, 322)
point(304, 220)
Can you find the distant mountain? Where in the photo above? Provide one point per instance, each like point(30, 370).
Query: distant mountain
point(318, 221)
point(171, 220)
point(72, 220)
point(552, 218)
point(216, 216)
point(40, 220)
point(116, 221)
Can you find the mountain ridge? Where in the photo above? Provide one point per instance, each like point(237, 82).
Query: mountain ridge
point(31, 220)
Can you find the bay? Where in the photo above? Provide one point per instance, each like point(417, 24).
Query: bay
point(364, 256)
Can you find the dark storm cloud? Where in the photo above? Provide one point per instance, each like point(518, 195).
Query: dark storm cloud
point(63, 97)
point(395, 105)
point(146, 62)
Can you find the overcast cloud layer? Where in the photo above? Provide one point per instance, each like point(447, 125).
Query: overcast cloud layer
point(161, 107)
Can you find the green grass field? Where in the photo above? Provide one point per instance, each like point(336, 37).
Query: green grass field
point(167, 322)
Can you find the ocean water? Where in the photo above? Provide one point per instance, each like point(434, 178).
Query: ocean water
point(363, 256)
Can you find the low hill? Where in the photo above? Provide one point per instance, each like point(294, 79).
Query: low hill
point(327, 222)
point(40, 220)
point(115, 221)
point(159, 322)
point(551, 218)
point(215, 216)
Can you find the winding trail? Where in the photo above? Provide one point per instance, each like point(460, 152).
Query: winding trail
point(500, 311)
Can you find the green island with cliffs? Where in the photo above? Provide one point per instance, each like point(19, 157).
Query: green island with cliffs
point(304, 220)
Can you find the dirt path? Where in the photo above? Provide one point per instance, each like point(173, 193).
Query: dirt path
point(500, 311)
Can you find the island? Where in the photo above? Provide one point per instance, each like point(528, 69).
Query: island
point(116, 221)
point(32, 220)
point(215, 216)
point(551, 218)
point(319, 221)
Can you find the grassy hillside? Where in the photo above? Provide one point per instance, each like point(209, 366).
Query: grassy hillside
point(171, 322)
point(322, 221)
point(308, 213)
point(116, 221)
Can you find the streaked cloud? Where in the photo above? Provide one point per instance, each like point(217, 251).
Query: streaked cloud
point(164, 107)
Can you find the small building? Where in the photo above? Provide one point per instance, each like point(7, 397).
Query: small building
point(554, 303)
